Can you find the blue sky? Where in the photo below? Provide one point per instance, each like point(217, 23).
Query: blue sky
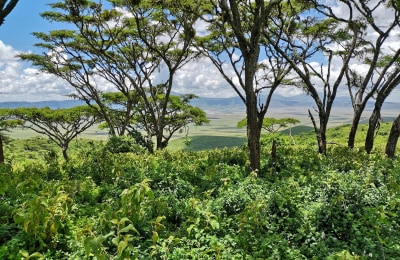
point(22, 21)
point(20, 81)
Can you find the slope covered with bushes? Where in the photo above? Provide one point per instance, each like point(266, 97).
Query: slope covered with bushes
point(117, 203)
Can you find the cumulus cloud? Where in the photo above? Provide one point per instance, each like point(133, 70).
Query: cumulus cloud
point(21, 82)
point(289, 91)
point(203, 79)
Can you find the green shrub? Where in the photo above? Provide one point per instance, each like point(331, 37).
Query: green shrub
point(45, 219)
point(123, 144)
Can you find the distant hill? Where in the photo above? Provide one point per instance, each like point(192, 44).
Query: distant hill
point(218, 105)
point(303, 101)
point(51, 104)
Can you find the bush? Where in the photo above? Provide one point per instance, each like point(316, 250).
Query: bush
point(123, 144)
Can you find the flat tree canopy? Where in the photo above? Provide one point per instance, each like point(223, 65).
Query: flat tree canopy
point(60, 125)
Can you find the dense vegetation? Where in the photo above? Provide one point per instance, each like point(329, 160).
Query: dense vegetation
point(113, 200)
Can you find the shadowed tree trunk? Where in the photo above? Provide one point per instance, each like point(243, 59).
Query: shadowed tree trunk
point(358, 109)
point(253, 128)
point(393, 138)
point(1, 149)
point(373, 125)
point(321, 131)
point(64, 149)
point(376, 114)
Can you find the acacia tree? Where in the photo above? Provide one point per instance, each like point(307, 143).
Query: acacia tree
point(300, 38)
point(60, 125)
point(124, 45)
point(165, 29)
point(272, 125)
point(393, 138)
point(70, 54)
point(178, 116)
point(237, 47)
point(375, 69)
point(5, 8)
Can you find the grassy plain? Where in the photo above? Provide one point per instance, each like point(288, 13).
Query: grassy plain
point(33, 147)
point(222, 131)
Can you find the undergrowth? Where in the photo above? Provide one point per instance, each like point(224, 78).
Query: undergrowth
point(114, 203)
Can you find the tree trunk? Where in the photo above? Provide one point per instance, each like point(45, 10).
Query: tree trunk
point(322, 142)
point(320, 132)
point(2, 159)
point(254, 123)
point(376, 115)
point(393, 138)
point(274, 156)
point(372, 126)
point(253, 136)
point(159, 141)
point(253, 133)
point(353, 131)
point(64, 152)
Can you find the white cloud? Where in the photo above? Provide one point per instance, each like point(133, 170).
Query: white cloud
point(19, 82)
point(203, 79)
point(201, 28)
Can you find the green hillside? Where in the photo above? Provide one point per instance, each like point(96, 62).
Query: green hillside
point(200, 202)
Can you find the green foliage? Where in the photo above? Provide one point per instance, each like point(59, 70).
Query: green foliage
point(123, 144)
point(123, 234)
point(201, 205)
point(203, 142)
point(45, 218)
point(6, 171)
point(342, 255)
point(147, 112)
point(116, 201)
